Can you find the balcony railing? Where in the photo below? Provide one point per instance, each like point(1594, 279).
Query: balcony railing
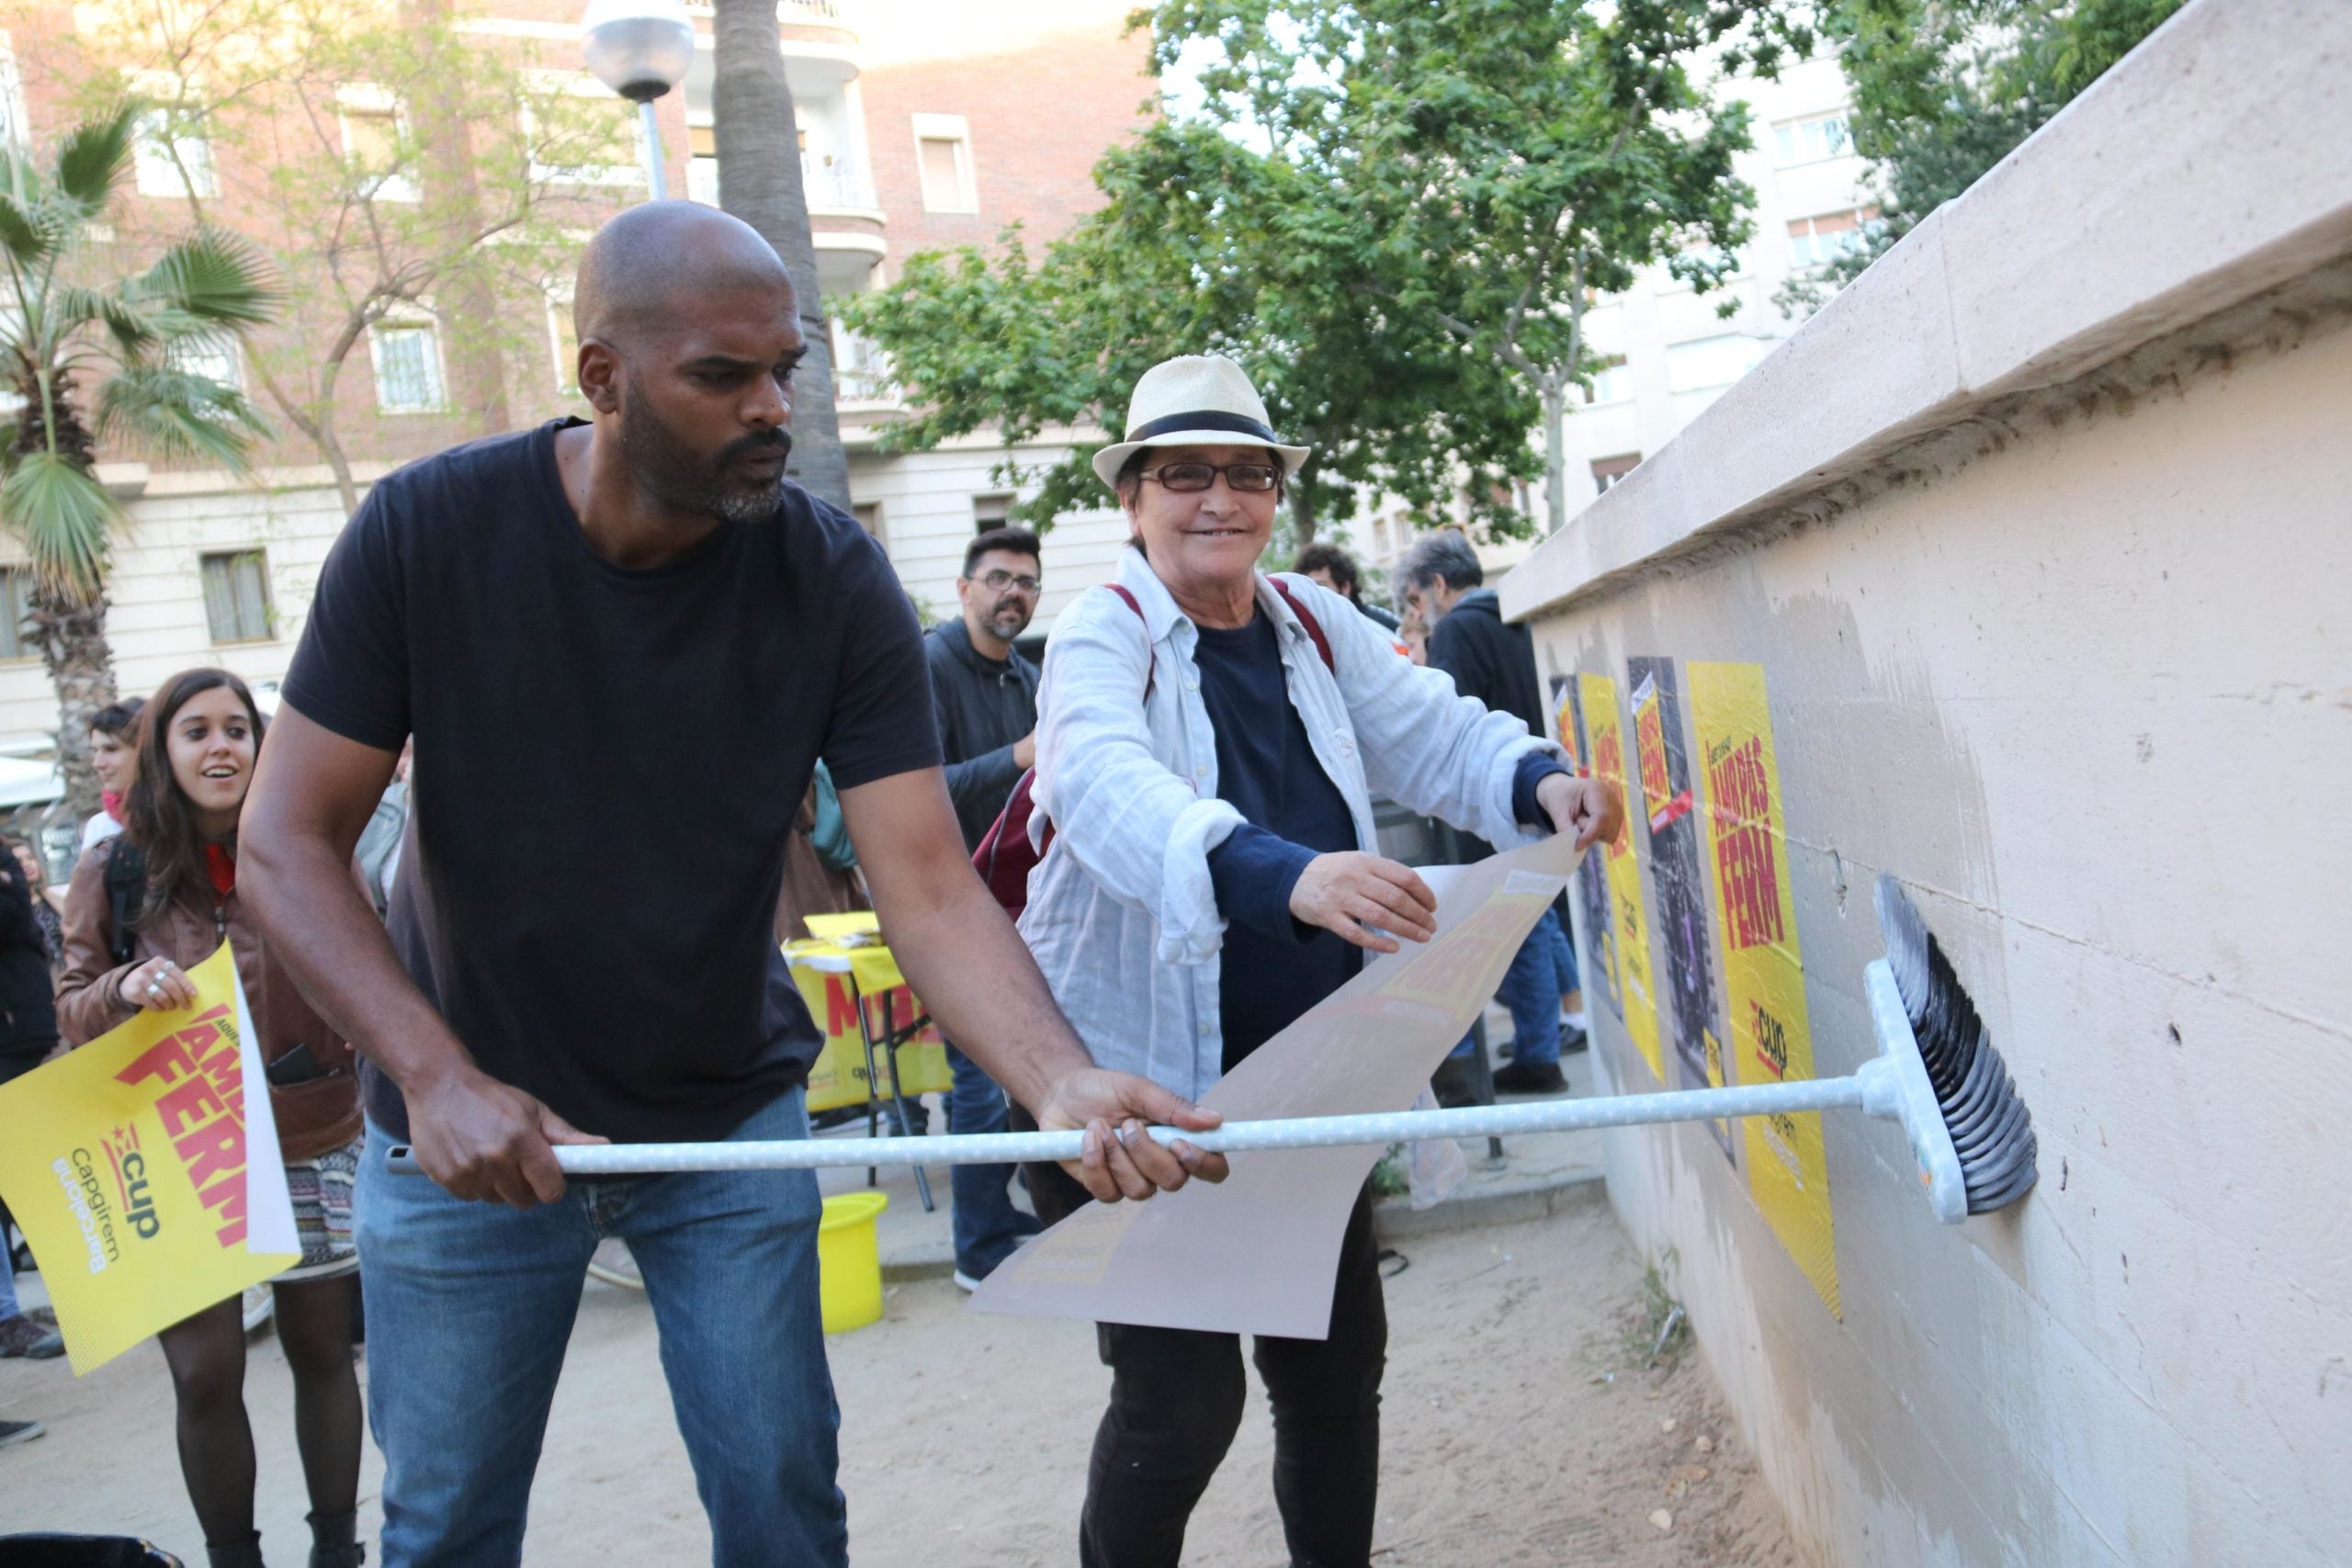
point(838, 186)
point(807, 13)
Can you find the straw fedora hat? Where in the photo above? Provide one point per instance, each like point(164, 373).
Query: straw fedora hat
point(1197, 400)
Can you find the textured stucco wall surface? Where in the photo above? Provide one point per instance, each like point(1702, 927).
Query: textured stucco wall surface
point(2092, 701)
point(2069, 654)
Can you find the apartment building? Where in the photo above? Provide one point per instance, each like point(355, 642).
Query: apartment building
point(922, 123)
point(1666, 352)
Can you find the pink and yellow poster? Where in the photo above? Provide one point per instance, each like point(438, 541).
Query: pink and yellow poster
point(1770, 1036)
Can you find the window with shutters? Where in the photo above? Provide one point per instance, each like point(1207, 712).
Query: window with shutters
point(408, 367)
point(377, 143)
point(236, 596)
point(944, 157)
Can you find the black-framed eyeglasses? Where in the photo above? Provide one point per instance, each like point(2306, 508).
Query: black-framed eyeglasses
point(997, 582)
point(1190, 479)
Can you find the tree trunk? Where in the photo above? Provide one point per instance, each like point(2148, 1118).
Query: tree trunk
point(759, 182)
point(1555, 461)
point(330, 445)
point(1302, 505)
point(71, 635)
point(73, 638)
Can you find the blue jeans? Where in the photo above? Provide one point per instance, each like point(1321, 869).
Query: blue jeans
point(986, 1225)
point(469, 1306)
point(1530, 990)
point(1564, 955)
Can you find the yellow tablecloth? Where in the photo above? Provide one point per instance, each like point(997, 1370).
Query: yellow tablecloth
point(836, 972)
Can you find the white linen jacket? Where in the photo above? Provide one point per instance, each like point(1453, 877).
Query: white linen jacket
point(1121, 916)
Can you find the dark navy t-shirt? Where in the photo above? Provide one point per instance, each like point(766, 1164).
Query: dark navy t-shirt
point(1272, 968)
point(607, 764)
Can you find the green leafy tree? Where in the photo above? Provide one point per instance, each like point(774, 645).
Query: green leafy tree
point(1203, 246)
point(1945, 89)
point(97, 361)
point(1396, 213)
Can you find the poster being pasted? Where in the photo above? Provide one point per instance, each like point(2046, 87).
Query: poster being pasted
point(1676, 880)
point(1629, 952)
point(1763, 964)
point(146, 1180)
point(1257, 1253)
point(1597, 966)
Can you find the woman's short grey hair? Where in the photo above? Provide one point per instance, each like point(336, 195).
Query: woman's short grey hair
point(1446, 556)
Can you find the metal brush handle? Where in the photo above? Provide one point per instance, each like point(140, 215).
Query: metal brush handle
point(1234, 1138)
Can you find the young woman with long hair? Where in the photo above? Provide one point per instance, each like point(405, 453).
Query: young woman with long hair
point(196, 750)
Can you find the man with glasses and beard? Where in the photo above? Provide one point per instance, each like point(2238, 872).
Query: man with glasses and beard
point(588, 626)
point(987, 697)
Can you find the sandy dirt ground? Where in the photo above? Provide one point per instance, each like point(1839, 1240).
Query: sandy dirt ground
point(1519, 1429)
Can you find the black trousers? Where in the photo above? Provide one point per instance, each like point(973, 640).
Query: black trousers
point(1176, 1400)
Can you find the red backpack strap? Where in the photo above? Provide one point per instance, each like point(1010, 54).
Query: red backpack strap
point(1129, 600)
point(1006, 857)
point(1306, 618)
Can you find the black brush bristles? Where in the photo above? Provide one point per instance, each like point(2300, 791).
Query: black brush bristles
point(1989, 1121)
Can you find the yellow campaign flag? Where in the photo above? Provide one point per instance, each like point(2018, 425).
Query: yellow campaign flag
point(148, 1183)
point(1631, 950)
point(1787, 1171)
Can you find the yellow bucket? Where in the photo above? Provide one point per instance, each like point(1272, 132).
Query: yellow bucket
point(848, 1261)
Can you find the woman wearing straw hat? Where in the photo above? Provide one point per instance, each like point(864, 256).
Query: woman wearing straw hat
point(1209, 740)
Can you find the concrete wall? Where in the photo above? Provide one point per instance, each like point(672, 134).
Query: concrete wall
point(2039, 533)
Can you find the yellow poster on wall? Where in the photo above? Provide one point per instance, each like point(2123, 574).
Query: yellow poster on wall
point(1764, 966)
point(1631, 950)
point(148, 1183)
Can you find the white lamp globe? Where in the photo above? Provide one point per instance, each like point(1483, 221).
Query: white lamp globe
point(640, 49)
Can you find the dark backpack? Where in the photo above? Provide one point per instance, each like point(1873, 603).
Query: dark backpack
point(126, 892)
point(1006, 857)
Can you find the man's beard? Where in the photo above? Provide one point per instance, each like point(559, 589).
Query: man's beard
point(1017, 614)
point(667, 470)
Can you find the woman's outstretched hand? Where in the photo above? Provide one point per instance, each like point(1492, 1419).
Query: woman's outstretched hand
point(1368, 900)
point(1589, 808)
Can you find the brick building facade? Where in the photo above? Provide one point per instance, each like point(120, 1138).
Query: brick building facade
point(1011, 114)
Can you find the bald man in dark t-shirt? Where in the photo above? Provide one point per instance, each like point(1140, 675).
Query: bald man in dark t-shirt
point(579, 623)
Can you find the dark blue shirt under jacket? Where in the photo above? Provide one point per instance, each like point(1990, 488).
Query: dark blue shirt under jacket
point(1272, 967)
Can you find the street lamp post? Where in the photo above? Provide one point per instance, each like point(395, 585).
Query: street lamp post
point(640, 49)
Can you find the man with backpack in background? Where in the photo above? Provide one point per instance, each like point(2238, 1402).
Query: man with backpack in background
point(986, 698)
point(1494, 661)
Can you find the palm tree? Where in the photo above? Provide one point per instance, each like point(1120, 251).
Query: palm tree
point(758, 140)
point(57, 334)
